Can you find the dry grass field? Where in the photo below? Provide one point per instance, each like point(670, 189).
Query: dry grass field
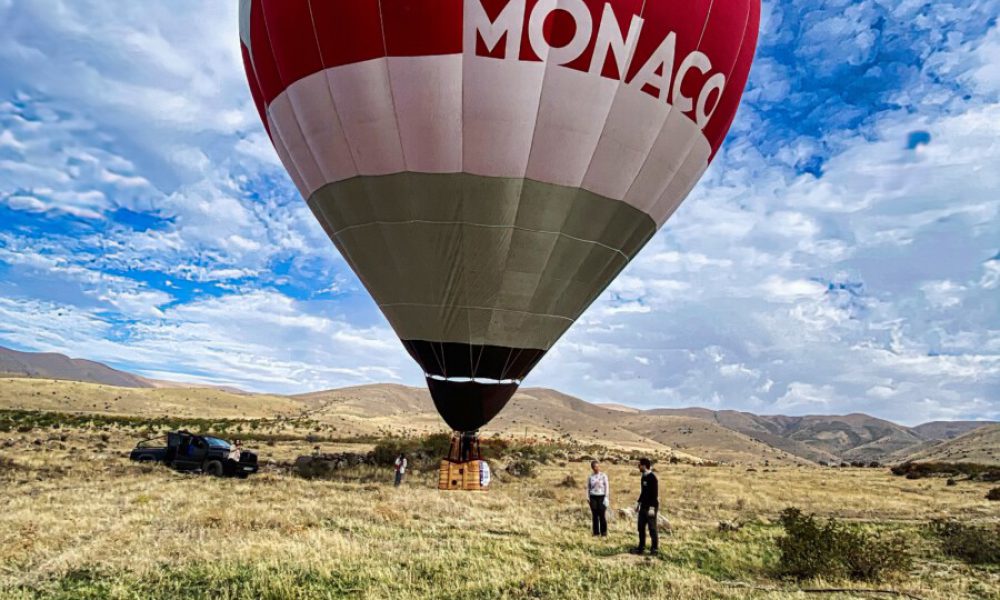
point(383, 409)
point(77, 520)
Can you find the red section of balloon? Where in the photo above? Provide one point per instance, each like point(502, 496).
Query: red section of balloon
point(708, 44)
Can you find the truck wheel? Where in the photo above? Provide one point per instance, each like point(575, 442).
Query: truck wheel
point(213, 468)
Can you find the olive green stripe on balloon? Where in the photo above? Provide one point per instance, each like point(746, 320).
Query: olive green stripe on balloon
point(471, 259)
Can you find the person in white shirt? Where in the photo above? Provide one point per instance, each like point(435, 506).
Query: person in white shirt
point(400, 469)
point(236, 450)
point(599, 496)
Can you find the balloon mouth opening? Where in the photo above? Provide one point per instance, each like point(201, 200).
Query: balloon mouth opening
point(469, 405)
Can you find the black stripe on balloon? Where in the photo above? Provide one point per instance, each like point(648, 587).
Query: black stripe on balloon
point(476, 361)
point(468, 405)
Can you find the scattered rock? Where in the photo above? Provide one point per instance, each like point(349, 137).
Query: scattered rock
point(663, 524)
point(318, 466)
point(729, 526)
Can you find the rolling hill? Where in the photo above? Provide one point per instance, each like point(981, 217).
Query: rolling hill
point(56, 382)
point(946, 430)
point(57, 366)
point(78, 396)
point(981, 445)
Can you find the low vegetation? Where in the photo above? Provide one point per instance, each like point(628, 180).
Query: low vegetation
point(77, 520)
point(810, 549)
point(259, 430)
point(976, 545)
point(971, 471)
point(425, 451)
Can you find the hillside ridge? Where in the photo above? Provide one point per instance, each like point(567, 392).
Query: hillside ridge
point(729, 436)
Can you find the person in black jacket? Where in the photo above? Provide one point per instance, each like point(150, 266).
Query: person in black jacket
point(648, 506)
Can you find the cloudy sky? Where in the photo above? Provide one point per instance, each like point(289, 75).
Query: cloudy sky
point(842, 253)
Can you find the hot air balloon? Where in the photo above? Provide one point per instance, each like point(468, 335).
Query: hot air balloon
point(487, 167)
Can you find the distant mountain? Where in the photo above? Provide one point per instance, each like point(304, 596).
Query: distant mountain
point(726, 436)
point(833, 438)
point(948, 430)
point(47, 365)
point(981, 445)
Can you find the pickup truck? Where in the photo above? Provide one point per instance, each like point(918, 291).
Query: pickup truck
point(186, 451)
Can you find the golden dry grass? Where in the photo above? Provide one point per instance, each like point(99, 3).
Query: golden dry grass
point(385, 409)
point(81, 522)
point(980, 446)
point(77, 396)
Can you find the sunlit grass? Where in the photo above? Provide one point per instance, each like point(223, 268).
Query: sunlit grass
point(82, 522)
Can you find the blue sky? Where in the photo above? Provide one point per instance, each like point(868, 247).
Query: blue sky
point(842, 254)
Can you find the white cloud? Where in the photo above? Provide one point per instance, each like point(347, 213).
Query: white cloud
point(785, 290)
point(943, 294)
point(802, 397)
point(262, 341)
point(822, 265)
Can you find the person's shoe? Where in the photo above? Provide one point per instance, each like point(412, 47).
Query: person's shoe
point(654, 551)
point(605, 534)
point(635, 551)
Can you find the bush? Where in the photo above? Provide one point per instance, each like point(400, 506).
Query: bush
point(421, 453)
point(521, 468)
point(993, 494)
point(972, 471)
point(810, 549)
point(968, 543)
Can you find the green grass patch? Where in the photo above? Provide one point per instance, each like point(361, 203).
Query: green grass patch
point(972, 471)
point(24, 421)
point(975, 545)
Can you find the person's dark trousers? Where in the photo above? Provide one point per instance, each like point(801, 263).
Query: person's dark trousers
point(648, 521)
point(399, 478)
point(598, 512)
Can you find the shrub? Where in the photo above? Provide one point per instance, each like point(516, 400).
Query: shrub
point(993, 494)
point(873, 555)
point(521, 468)
point(968, 543)
point(972, 471)
point(812, 549)
point(421, 453)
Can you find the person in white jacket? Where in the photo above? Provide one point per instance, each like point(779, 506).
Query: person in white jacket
point(599, 496)
point(400, 469)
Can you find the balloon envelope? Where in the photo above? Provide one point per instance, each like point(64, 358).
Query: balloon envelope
point(487, 167)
